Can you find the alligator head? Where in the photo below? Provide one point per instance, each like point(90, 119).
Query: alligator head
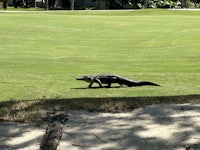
point(89, 79)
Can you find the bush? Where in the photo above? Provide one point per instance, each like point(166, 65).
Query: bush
point(192, 4)
point(164, 4)
point(197, 5)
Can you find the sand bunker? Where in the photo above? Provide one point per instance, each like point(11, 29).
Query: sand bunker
point(157, 127)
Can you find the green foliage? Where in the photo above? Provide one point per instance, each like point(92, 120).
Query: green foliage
point(1, 1)
point(191, 4)
point(164, 4)
point(119, 4)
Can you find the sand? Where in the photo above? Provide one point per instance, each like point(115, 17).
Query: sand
point(156, 127)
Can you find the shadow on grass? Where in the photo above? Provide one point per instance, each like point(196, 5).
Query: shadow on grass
point(113, 87)
point(41, 110)
point(31, 110)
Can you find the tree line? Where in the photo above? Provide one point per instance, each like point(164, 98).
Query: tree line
point(138, 4)
point(103, 4)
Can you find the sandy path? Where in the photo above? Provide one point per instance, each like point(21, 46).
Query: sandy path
point(157, 127)
point(18, 136)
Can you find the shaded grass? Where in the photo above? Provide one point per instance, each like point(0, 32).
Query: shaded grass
point(39, 111)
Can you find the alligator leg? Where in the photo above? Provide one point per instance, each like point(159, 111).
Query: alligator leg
point(90, 85)
point(109, 85)
point(99, 82)
point(96, 81)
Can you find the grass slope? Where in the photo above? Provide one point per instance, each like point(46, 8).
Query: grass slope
point(43, 52)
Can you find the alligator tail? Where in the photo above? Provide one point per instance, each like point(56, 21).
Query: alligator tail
point(148, 83)
point(142, 83)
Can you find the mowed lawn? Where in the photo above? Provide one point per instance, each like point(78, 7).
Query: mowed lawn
point(41, 53)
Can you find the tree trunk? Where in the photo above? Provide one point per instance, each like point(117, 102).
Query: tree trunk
point(53, 133)
point(58, 4)
point(47, 4)
point(182, 3)
point(35, 4)
point(72, 4)
point(146, 3)
point(101, 4)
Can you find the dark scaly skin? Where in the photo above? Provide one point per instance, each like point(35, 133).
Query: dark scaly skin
point(110, 79)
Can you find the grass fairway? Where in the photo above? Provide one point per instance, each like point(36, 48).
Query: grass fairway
point(41, 53)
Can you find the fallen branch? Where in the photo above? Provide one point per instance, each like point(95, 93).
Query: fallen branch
point(78, 145)
point(100, 138)
point(53, 132)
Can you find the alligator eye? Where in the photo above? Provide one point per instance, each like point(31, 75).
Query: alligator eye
point(86, 77)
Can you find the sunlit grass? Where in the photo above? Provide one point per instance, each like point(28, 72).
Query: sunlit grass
point(43, 52)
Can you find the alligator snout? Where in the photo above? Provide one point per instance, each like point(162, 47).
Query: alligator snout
point(79, 78)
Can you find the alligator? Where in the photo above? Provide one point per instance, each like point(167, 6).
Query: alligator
point(110, 78)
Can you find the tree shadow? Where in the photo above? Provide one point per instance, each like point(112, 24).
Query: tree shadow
point(81, 131)
point(156, 127)
point(19, 136)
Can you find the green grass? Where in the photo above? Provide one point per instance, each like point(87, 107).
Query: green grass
point(41, 53)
